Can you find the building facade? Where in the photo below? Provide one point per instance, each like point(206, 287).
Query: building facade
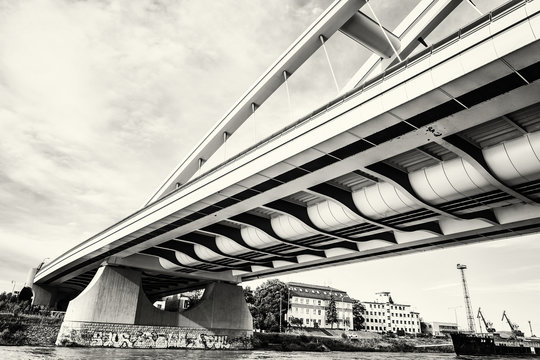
point(436, 328)
point(384, 315)
point(176, 303)
point(309, 302)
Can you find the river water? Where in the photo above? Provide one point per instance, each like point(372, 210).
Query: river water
point(46, 353)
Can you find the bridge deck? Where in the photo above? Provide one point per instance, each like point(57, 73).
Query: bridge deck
point(441, 149)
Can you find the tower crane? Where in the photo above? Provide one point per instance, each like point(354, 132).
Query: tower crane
point(487, 324)
point(468, 307)
point(513, 327)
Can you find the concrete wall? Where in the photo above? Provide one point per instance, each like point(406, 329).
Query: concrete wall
point(141, 336)
point(115, 298)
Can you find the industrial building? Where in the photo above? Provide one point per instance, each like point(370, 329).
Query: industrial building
point(384, 315)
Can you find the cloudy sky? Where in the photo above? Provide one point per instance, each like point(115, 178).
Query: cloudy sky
point(99, 100)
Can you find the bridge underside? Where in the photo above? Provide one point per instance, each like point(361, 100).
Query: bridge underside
point(464, 184)
point(416, 159)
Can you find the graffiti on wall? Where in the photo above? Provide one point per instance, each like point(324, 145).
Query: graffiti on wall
point(143, 339)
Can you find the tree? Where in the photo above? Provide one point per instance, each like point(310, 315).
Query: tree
point(26, 294)
point(268, 297)
point(194, 297)
point(295, 322)
point(249, 296)
point(331, 312)
point(357, 310)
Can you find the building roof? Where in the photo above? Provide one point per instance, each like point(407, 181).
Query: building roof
point(318, 292)
point(380, 303)
point(315, 287)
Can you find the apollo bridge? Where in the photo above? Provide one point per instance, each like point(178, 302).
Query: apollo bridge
point(422, 149)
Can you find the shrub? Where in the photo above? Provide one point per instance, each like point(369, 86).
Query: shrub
point(12, 333)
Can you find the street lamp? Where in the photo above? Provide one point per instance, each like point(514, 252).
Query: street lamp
point(342, 311)
point(455, 313)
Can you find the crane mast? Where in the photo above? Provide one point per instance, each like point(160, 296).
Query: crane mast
point(468, 307)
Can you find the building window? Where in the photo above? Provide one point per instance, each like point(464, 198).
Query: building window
point(319, 311)
point(319, 302)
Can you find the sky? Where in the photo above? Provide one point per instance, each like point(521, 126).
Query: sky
point(100, 100)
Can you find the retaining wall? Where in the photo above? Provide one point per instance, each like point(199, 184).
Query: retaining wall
point(93, 334)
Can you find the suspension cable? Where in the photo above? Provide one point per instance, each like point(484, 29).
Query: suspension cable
point(329, 63)
point(383, 31)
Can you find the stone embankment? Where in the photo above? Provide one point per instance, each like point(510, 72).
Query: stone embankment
point(32, 330)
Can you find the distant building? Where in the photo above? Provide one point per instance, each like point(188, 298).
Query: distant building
point(436, 328)
point(175, 303)
point(383, 315)
point(309, 302)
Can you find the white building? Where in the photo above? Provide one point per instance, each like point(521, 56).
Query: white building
point(309, 303)
point(383, 315)
point(176, 303)
point(437, 328)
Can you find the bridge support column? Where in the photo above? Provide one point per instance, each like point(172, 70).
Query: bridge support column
point(113, 311)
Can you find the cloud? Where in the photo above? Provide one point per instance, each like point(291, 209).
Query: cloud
point(441, 286)
point(99, 100)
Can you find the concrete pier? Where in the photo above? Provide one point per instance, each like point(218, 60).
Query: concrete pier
point(113, 311)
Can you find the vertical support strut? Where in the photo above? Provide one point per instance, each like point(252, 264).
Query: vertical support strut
point(323, 42)
point(468, 307)
point(285, 78)
point(225, 138)
point(253, 108)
